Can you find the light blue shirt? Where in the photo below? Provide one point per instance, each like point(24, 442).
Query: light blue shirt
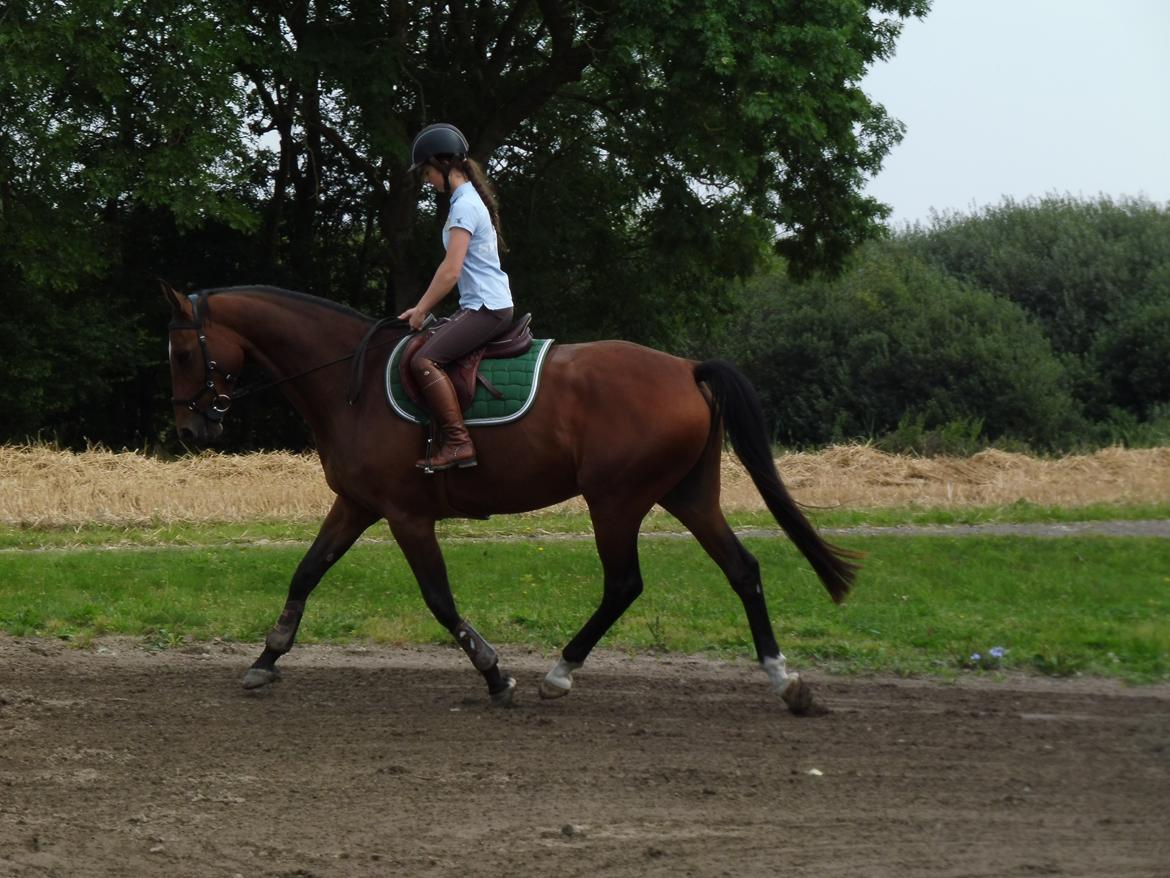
point(482, 283)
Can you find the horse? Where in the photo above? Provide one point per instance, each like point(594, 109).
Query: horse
point(624, 426)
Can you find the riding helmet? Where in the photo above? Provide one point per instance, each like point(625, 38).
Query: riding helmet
point(440, 139)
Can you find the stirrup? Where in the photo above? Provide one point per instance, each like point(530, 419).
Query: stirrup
point(428, 466)
point(430, 469)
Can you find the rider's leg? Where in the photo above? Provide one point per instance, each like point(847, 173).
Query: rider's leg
point(455, 446)
point(465, 332)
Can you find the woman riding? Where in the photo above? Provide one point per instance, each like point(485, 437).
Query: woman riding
point(473, 242)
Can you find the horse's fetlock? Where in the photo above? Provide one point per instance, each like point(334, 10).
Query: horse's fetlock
point(280, 638)
point(776, 667)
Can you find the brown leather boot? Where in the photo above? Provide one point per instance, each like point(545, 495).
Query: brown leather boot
point(455, 446)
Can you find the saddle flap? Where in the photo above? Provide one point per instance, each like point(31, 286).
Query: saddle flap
point(509, 386)
point(464, 372)
point(405, 376)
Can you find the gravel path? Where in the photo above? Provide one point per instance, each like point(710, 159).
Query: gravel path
point(368, 762)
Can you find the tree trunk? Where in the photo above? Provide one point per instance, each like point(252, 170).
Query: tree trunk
point(396, 214)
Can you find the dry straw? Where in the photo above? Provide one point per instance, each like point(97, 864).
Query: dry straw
point(41, 486)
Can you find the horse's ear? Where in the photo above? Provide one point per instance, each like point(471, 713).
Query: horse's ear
point(180, 307)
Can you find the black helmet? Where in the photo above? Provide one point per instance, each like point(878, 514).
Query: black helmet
point(437, 139)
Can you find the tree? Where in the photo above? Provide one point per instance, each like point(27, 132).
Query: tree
point(1076, 265)
point(117, 118)
point(1094, 273)
point(755, 105)
point(892, 341)
point(647, 152)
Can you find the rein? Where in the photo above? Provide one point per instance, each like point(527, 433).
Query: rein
point(221, 401)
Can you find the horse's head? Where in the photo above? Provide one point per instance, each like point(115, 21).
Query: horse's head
point(205, 358)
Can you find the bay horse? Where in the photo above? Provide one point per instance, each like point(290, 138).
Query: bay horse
point(622, 425)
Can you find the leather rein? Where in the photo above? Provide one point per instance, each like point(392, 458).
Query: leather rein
point(221, 400)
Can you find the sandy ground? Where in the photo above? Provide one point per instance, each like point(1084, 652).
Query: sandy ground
point(116, 761)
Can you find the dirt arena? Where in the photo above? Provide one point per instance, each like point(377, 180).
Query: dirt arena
point(116, 761)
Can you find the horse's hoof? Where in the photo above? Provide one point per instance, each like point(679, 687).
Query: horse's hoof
point(255, 678)
point(503, 698)
point(555, 688)
point(799, 698)
point(558, 681)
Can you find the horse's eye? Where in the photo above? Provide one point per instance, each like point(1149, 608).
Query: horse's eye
point(182, 357)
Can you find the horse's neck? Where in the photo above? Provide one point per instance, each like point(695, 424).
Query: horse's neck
point(288, 340)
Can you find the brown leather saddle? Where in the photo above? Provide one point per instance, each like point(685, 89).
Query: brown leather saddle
point(464, 372)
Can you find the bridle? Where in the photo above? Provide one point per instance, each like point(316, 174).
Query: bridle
point(221, 401)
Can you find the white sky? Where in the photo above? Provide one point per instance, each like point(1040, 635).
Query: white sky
point(1024, 98)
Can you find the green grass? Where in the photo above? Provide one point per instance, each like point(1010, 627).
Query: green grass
point(922, 605)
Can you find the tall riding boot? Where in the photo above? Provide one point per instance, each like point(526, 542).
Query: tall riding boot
point(455, 447)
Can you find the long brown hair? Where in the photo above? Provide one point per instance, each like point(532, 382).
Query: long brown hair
point(474, 172)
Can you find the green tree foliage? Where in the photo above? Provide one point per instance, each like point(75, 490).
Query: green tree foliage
point(892, 342)
point(116, 117)
point(1134, 358)
point(1094, 273)
point(647, 152)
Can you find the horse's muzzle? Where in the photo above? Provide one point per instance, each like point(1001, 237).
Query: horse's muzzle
point(200, 431)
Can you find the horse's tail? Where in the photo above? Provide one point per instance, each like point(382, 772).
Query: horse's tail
point(743, 419)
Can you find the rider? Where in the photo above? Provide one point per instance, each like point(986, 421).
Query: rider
point(473, 242)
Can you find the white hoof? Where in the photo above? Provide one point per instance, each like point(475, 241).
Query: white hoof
point(503, 698)
point(559, 681)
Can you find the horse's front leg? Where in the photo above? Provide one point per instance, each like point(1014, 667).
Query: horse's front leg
point(419, 544)
point(345, 522)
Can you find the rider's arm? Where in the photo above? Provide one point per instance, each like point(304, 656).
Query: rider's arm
point(446, 275)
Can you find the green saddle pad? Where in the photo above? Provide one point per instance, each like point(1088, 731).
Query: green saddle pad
point(518, 378)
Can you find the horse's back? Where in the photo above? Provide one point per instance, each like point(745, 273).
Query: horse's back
point(594, 373)
point(633, 409)
point(611, 419)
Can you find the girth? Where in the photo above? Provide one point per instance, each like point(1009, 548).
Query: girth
point(464, 372)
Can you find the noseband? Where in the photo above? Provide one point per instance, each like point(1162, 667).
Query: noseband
point(220, 402)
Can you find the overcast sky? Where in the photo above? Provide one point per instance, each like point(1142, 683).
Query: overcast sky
point(1024, 98)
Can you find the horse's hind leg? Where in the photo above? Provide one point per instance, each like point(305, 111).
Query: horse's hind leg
point(345, 522)
point(617, 544)
point(706, 522)
point(417, 539)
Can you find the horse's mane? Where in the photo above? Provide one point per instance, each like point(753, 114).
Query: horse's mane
point(289, 294)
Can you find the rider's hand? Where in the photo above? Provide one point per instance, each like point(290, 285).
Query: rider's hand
point(415, 316)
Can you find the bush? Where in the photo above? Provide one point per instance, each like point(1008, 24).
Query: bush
point(1074, 265)
point(895, 345)
point(1133, 359)
point(1094, 274)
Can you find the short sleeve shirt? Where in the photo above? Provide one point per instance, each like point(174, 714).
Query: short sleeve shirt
point(482, 283)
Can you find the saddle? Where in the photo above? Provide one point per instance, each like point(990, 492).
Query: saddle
point(464, 372)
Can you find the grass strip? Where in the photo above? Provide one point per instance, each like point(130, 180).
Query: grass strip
point(923, 605)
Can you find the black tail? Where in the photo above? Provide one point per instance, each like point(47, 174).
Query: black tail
point(743, 419)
